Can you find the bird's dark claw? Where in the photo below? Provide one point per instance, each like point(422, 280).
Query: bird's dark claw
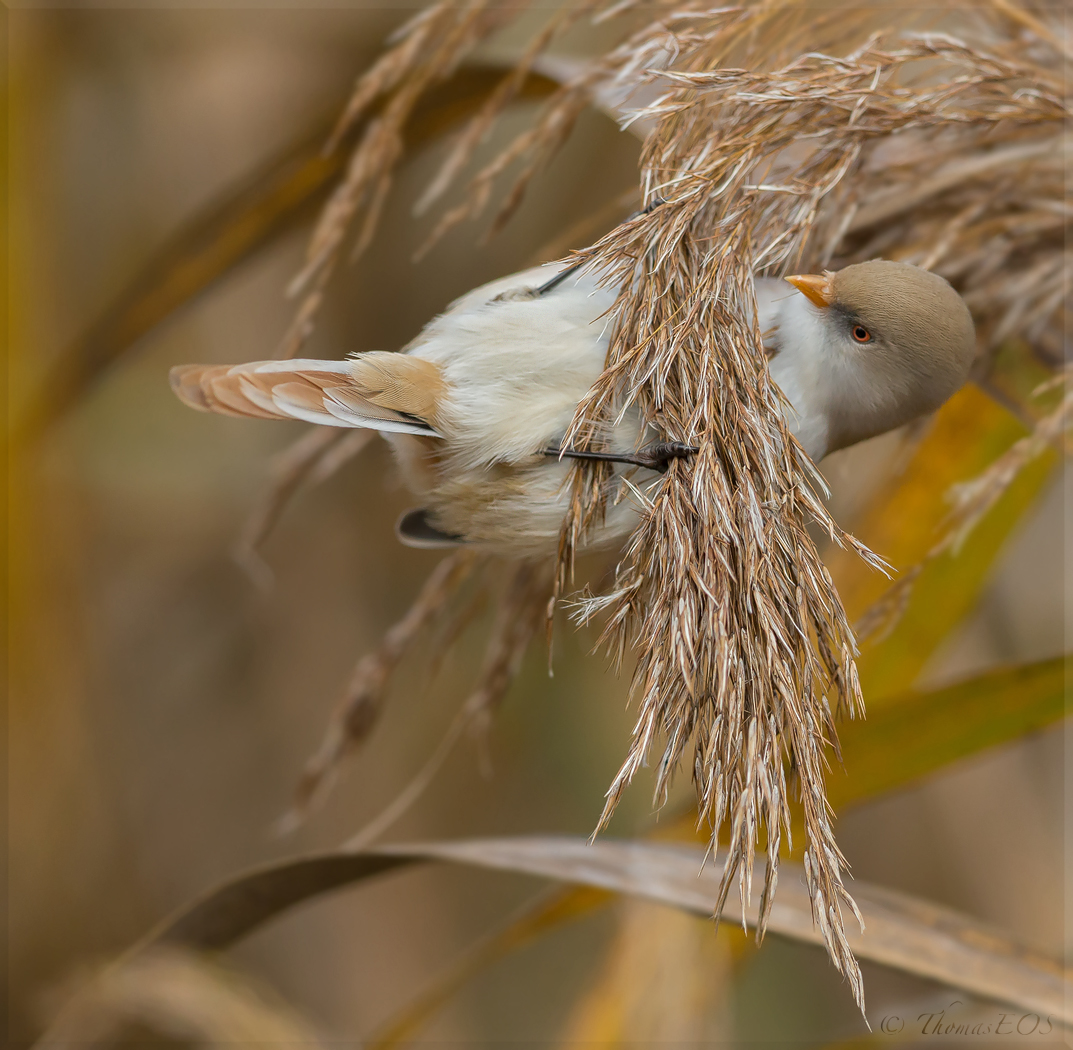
point(659, 456)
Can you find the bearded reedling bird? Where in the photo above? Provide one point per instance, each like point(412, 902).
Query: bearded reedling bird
point(477, 405)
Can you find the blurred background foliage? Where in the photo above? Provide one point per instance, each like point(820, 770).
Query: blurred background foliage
point(162, 707)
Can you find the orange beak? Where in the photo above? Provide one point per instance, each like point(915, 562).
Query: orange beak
point(817, 287)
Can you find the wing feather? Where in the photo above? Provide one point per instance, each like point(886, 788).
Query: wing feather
point(414, 529)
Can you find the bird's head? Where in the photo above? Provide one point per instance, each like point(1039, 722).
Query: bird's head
point(891, 342)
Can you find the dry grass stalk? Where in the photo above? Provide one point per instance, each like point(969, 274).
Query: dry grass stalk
point(937, 151)
point(517, 616)
point(533, 146)
point(478, 128)
point(180, 997)
point(359, 710)
point(314, 457)
point(426, 50)
point(520, 612)
point(878, 621)
point(973, 499)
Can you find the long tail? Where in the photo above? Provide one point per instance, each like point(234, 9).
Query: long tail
point(380, 391)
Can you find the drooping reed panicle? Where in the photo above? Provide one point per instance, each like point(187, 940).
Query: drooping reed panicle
point(784, 138)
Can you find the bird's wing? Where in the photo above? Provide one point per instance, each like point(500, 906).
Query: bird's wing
point(414, 529)
point(387, 392)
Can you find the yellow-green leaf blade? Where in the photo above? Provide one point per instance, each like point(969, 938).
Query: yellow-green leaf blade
point(918, 734)
point(947, 590)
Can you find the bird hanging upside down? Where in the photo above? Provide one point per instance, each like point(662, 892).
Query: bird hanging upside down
point(477, 405)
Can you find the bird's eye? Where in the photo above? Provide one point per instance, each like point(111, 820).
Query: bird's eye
point(861, 334)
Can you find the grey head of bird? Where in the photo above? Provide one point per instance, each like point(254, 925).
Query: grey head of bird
point(868, 348)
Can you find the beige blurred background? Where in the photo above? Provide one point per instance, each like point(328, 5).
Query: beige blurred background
point(161, 707)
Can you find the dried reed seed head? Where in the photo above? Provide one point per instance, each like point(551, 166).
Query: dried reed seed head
point(938, 152)
point(764, 684)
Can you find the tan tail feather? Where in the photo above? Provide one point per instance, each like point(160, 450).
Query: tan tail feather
point(186, 382)
point(196, 386)
point(386, 393)
point(227, 389)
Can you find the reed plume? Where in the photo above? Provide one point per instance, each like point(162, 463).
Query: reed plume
point(783, 139)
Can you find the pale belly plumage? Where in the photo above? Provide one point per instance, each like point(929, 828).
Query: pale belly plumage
point(472, 406)
point(515, 368)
